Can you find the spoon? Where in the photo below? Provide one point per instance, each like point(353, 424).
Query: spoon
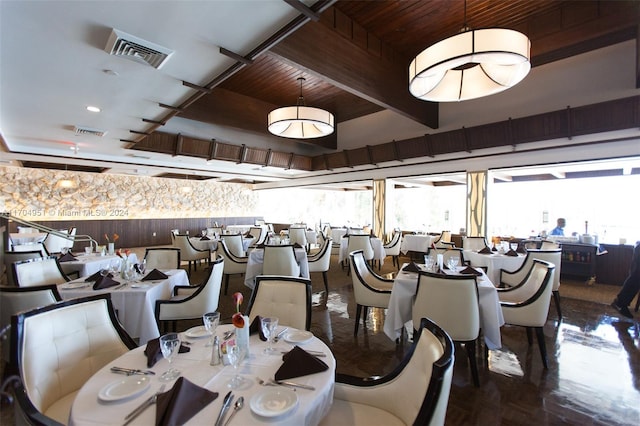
point(270, 383)
point(236, 407)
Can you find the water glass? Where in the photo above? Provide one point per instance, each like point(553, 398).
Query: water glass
point(211, 321)
point(269, 325)
point(170, 345)
point(236, 354)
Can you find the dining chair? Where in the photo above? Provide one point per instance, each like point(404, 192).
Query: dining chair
point(39, 271)
point(18, 299)
point(58, 347)
point(55, 243)
point(336, 235)
point(189, 253)
point(299, 235)
point(31, 247)
point(416, 392)
point(232, 264)
point(527, 304)
point(393, 247)
point(360, 242)
point(288, 298)
point(234, 244)
point(280, 260)
point(258, 235)
point(369, 289)
point(321, 261)
point(191, 302)
point(15, 256)
point(445, 237)
point(517, 277)
point(162, 258)
point(549, 245)
point(451, 301)
point(474, 243)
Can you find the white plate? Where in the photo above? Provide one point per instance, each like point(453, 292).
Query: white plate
point(298, 336)
point(124, 388)
point(273, 402)
point(197, 332)
point(72, 285)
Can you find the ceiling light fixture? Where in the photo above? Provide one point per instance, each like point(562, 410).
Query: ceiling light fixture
point(92, 108)
point(66, 183)
point(471, 64)
point(186, 187)
point(300, 121)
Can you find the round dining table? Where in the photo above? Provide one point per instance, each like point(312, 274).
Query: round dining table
point(308, 407)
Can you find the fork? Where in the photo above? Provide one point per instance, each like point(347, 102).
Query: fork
point(152, 400)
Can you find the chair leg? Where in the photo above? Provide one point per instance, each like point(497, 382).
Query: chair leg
point(529, 336)
point(365, 312)
point(470, 347)
point(326, 284)
point(542, 346)
point(226, 284)
point(358, 312)
point(556, 298)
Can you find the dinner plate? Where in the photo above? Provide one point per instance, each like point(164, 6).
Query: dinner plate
point(273, 402)
point(72, 285)
point(124, 388)
point(298, 337)
point(197, 332)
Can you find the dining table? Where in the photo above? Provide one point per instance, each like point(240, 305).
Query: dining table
point(272, 404)
point(376, 243)
point(255, 262)
point(417, 242)
point(399, 312)
point(88, 264)
point(133, 300)
point(494, 262)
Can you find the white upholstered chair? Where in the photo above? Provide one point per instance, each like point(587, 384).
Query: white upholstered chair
point(393, 247)
point(258, 234)
point(299, 235)
point(232, 264)
point(527, 304)
point(58, 348)
point(15, 256)
point(287, 298)
point(474, 243)
point(451, 301)
point(55, 243)
point(162, 258)
point(192, 302)
point(32, 247)
point(39, 271)
point(361, 242)
point(234, 244)
point(369, 289)
point(18, 299)
point(416, 392)
point(189, 253)
point(280, 260)
point(321, 261)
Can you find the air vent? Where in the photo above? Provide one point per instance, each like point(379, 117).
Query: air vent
point(89, 131)
point(134, 48)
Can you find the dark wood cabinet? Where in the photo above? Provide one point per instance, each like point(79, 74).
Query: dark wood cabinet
point(579, 260)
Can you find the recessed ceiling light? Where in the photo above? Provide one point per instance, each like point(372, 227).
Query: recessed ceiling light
point(93, 108)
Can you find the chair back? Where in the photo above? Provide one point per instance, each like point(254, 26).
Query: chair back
point(361, 242)
point(451, 301)
point(528, 304)
point(162, 258)
point(474, 243)
point(287, 298)
point(234, 244)
point(280, 260)
point(55, 243)
point(369, 289)
point(258, 234)
point(549, 245)
point(58, 347)
point(40, 271)
point(232, 264)
point(187, 251)
point(321, 261)
point(298, 235)
point(31, 247)
point(15, 256)
point(445, 237)
point(516, 278)
point(18, 299)
point(393, 248)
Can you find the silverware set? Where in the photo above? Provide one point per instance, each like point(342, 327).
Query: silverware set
point(130, 371)
point(140, 409)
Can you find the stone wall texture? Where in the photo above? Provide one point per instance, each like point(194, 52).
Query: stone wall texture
point(32, 194)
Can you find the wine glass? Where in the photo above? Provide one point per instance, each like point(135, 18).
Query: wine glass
point(169, 345)
point(236, 354)
point(114, 267)
point(453, 263)
point(211, 320)
point(204, 233)
point(429, 262)
point(269, 325)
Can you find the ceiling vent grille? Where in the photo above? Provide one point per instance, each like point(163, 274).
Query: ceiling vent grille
point(139, 50)
point(81, 131)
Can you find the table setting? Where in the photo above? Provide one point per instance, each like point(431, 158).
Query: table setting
point(282, 375)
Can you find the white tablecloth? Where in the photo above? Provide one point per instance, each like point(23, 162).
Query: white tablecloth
point(135, 306)
point(238, 229)
point(401, 303)
point(419, 243)
point(210, 244)
point(90, 264)
point(493, 263)
point(256, 260)
point(376, 243)
point(312, 406)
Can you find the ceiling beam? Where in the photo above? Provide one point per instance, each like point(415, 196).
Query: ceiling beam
point(321, 51)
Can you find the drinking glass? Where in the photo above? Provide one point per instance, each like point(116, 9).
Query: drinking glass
point(210, 321)
point(269, 325)
point(114, 267)
point(453, 263)
point(428, 263)
point(236, 354)
point(170, 345)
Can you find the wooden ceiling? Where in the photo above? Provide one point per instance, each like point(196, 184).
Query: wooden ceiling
point(355, 56)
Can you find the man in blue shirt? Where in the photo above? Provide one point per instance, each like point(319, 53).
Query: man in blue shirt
point(559, 230)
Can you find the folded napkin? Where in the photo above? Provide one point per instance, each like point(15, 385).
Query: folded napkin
point(260, 246)
point(494, 248)
point(470, 271)
point(256, 327)
point(155, 275)
point(296, 245)
point(511, 253)
point(183, 401)
point(521, 249)
point(205, 238)
point(154, 353)
point(93, 277)
point(411, 267)
point(298, 362)
point(67, 257)
point(105, 282)
point(485, 250)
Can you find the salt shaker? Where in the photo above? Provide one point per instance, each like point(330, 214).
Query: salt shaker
point(215, 351)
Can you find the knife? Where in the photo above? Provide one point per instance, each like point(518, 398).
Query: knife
point(279, 335)
point(225, 406)
point(135, 413)
point(129, 371)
